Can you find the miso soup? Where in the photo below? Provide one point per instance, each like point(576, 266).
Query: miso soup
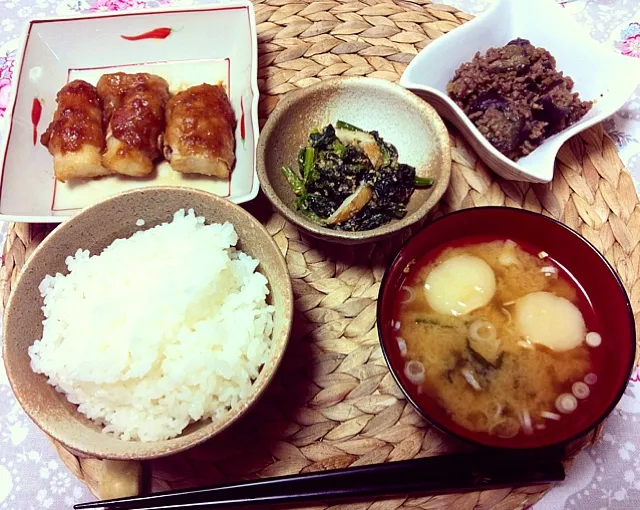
point(499, 334)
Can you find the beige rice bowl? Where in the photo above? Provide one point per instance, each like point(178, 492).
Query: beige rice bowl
point(167, 327)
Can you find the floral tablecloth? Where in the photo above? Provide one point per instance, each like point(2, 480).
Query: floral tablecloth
point(604, 477)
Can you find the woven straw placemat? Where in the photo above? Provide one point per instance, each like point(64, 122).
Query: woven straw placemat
point(333, 403)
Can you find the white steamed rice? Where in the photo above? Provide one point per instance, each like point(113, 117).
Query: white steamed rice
point(162, 329)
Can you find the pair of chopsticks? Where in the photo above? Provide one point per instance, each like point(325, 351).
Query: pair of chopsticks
point(441, 474)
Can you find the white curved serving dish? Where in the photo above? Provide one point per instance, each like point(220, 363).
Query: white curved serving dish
point(186, 46)
point(600, 75)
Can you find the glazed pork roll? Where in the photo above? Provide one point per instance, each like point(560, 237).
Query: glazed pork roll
point(134, 108)
point(199, 135)
point(75, 137)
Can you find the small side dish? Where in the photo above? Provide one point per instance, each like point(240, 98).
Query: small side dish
point(160, 330)
point(350, 179)
point(516, 97)
point(127, 123)
point(500, 335)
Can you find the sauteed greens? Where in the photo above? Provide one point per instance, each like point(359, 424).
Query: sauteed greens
point(350, 179)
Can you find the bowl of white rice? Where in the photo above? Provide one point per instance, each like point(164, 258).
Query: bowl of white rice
point(147, 323)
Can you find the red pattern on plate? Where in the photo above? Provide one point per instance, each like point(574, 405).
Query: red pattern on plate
point(156, 33)
point(242, 129)
point(36, 113)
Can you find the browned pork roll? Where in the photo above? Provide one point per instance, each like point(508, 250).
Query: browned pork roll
point(134, 108)
point(75, 137)
point(199, 136)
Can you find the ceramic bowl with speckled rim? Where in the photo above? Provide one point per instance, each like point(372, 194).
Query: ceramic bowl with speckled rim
point(94, 229)
point(400, 117)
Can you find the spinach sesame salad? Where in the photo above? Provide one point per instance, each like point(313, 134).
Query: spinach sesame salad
point(350, 179)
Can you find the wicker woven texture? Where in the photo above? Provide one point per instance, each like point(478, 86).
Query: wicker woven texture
point(333, 403)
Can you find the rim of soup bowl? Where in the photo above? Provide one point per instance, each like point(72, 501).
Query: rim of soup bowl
point(468, 440)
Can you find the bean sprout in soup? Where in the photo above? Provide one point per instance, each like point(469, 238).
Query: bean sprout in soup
point(499, 335)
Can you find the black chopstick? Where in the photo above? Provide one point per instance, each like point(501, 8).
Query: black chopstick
point(447, 473)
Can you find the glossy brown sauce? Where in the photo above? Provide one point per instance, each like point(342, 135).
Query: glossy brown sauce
point(77, 120)
point(200, 120)
point(134, 107)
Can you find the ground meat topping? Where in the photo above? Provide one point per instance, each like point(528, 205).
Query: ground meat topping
point(516, 97)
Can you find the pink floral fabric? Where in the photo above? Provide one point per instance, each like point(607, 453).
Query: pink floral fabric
point(121, 5)
point(6, 74)
point(117, 5)
point(630, 44)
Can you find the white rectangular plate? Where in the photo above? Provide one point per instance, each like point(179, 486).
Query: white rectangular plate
point(216, 44)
